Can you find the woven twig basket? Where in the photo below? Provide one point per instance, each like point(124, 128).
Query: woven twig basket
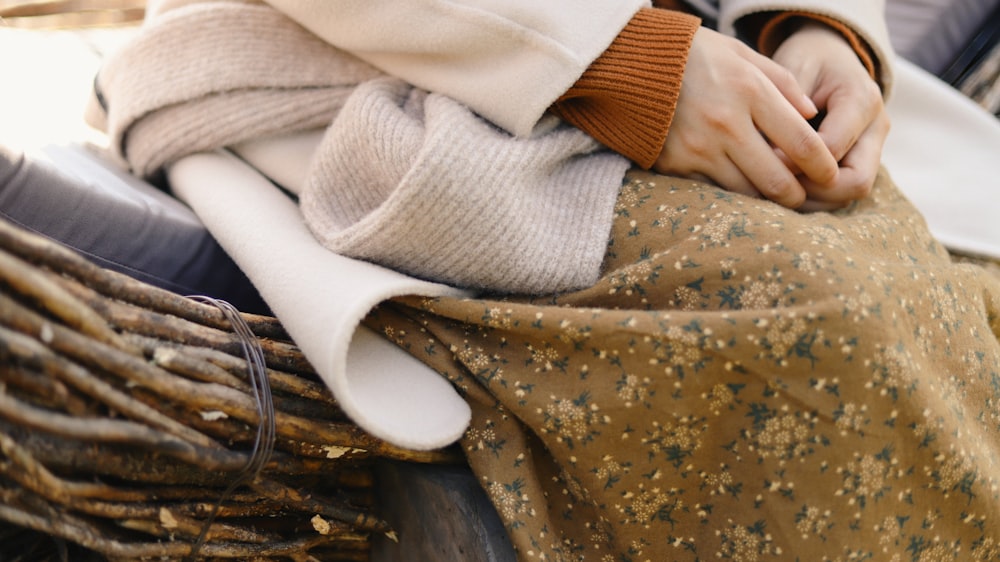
point(126, 411)
point(66, 14)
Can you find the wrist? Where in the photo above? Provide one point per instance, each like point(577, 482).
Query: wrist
point(783, 25)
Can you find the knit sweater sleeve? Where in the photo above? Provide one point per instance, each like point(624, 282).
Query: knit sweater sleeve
point(777, 26)
point(626, 98)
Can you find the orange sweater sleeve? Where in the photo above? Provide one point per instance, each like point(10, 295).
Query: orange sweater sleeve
point(626, 98)
point(778, 25)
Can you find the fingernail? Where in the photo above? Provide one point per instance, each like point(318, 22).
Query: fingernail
point(809, 103)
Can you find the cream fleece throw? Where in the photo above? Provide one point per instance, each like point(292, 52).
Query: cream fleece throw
point(321, 298)
point(406, 179)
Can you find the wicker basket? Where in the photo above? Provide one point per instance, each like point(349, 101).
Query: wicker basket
point(63, 14)
point(130, 423)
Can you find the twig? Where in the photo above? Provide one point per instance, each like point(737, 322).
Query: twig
point(129, 317)
point(347, 439)
point(23, 348)
point(42, 387)
point(104, 430)
point(281, 381)
point(33, 283)
point(74, 529)
point(42, 251)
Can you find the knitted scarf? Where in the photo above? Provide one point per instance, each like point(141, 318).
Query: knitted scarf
point(408, 179)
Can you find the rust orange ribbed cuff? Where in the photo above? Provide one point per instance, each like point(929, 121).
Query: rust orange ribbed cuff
point(626, 98)
point(774, 31)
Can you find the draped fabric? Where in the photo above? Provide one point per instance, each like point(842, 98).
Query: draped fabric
point(393, 172)
point(743, 383)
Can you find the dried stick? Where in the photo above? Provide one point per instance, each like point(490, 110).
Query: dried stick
point(285, 495)
point(42, 387)
point(131, 318)
point(347, 438)
point(175, 361)
point(295, 395)
point(40, 250)
point(76, 530)
point(33, 283)
point(25, 470)
point(20, 347)
point(167, 524)
point(61, 492)
point(104, 430)
point(281, 381)
point(95, 458)
point(23, 467)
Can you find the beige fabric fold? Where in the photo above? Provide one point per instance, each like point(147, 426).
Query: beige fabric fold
point(400, 169)
point(207, 74)
point(321, 298)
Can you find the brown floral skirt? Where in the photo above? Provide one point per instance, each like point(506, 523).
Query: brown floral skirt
point(743, 383)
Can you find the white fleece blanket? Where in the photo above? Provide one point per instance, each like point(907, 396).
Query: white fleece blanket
point(321, 298)
point(943, 151)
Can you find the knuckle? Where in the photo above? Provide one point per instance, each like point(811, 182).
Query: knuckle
point(874, 91)
point(697, 146)
point(720, 118)
point(884, 123)
point(861, 189)
point(807, 145)
point(810, 147)
point(871, 96)
point(748, 81)
point(784, 76)
point(858, 187)
point(780, 190)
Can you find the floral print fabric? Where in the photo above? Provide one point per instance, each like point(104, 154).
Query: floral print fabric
point(744, 383)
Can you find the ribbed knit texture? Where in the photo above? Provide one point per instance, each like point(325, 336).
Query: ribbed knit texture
point(412, 181)
point(626, 98)
point(772, 33)
point(214, 73)
point(416, 181)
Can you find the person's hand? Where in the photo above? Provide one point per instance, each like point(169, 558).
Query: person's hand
point(738, 117)
point(856, 124)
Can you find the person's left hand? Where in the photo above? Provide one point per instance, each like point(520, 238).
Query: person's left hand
point(856, 124)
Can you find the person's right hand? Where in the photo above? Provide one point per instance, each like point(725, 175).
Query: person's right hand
point(856, 123)
point(735, 108)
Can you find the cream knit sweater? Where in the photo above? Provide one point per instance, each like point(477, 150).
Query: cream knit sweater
point(413, 181)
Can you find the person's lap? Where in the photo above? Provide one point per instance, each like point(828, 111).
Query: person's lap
point(742, 376)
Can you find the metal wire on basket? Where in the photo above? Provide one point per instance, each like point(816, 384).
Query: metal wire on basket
point(266, 433)
point(127, 409)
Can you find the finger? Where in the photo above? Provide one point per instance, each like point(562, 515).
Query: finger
point(786, 83)
point(730, 178)
point(768, 175)
point(849, 114)
point(803, 148)
point(724, 175)
point(859, 167)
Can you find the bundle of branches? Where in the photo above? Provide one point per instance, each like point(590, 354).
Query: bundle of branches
point(128, 413)
point(70, 14)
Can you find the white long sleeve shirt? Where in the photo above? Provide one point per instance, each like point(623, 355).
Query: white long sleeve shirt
point(509, 60)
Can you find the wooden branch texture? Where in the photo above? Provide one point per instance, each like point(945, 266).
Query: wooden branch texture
point(126, 411)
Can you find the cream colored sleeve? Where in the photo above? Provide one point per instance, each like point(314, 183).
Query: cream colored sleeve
point(865, 17)
point(507, 60)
